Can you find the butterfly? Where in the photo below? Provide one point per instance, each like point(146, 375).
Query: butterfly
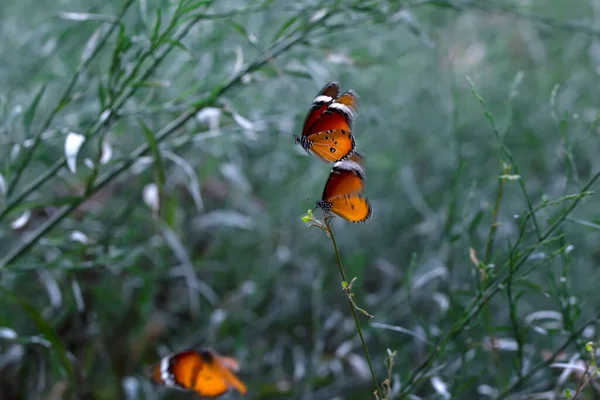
point(327, 129)
point(204, 371)
point(342, 194)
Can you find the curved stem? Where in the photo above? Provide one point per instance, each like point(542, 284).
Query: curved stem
point(352, 307)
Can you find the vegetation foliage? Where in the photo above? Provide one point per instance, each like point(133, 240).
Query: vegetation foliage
point(151, 197)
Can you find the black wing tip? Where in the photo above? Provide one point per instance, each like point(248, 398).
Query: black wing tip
point(328, 87)
point(207, 355)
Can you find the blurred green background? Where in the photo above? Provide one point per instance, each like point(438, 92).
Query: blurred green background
point(478, 122)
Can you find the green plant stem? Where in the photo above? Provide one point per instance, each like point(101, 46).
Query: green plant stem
point(492, 7)
point(356, 322)
point(63, 99)
point(477, 304)
point(574, 336)
point(506, 151)
point(488, 254)
point(494, 225)
point(129, 89)
point(512, 307)
point(143, 149)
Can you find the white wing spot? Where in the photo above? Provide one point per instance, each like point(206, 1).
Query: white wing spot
point(322, 99)
point(343, 108)
point(165, 374)
point(349, 165)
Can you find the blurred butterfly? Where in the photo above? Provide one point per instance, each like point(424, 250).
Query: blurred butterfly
point(204, 371)
point(327, 130)
point(342, 192)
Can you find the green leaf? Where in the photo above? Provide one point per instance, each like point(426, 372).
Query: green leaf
point(153, 84)
point(116, 70)
point(59, 351)
point(242, 31)
point(31, 110)
point(475, 222)
point(286, 25)
point(101, 94)
point(564, 123)
point(299, 74)
point(169, 210)
point(193, 6)
point(156, 31)
point(158, 164)
point(178, 44)
point(589, 346)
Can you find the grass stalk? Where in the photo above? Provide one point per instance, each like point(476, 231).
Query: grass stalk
point(278, 48)
point(63, 100)
point(494, 288)
point(348, 289)
point(494, 225)
point(572, 338)
point(129, 88)
point(512, 307)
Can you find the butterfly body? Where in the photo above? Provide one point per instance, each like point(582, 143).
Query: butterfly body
point(206, 372)
point(342, 194)
point(327, 130)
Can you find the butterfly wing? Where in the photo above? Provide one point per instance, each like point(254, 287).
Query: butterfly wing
point(332, 145)
point(330, 136)
point(343, 180)
point(328, 93)
point(352, 207)
point(214, 378)
point(356, 157)
point(203, 372)
point(341, 194)
point(339, 114)
point(185, 367)
point(229, 363)
point(225, 365)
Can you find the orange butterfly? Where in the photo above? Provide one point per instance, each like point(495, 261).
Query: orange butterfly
point(342, 192)
point(204, 371)
point(327, 129)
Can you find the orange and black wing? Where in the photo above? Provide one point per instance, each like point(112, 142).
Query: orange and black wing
point(179, 370)
point(222, 367)
point(329, 93)
point(330, 136)
point(332, 145)
point(345, 178)
point(352, 207)
point(201, 371)
point(339, 115)
point(342, 192)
